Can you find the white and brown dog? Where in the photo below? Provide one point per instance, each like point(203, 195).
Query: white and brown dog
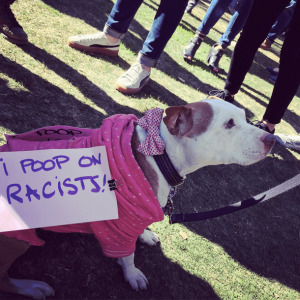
point(195, 135)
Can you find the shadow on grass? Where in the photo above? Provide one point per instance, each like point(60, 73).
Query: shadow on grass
point(89, 90)
point(289, 116)
point(258, 69)
point(264, 238)
point(159, 93)
point(166, 63)
point(184, 25)
point(188, 27)
point(79, 81)
point(73, 264)
point(130, 41)
point(43, 104)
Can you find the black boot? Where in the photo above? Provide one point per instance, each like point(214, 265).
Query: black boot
point(221, 94)
point(193, 45)
point(10, 29)
point(214, 57)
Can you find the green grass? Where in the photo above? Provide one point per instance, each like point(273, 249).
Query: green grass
point(253, 254)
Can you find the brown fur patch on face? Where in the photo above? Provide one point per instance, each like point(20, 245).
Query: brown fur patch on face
point(178, 120)
point(147, 169)
point(188, 120)
point(201, 115)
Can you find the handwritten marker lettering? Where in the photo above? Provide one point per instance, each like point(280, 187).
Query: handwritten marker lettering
point(104, 182)
point(47, 165)
point(59, 132)
point(64, 160)
point(86, 161)
point(4, 167)
point(73, 186)
point(60, 189)
point(47, 191)
point(47, 195)
point(84, 164)
point(54, 186)
point(30, 192)
point(51, 165)
point(13, 195)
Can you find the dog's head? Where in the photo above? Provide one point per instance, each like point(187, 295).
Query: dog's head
point(217, 132)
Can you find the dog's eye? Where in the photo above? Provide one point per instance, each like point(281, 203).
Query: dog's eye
point(230, 123)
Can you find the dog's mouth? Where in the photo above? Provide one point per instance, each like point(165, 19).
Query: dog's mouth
point(253, 156)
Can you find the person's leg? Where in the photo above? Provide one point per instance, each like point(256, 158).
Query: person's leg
point(10, 29)
point(233, 3)
point(108, 41)
point(235, 25)
point(282, 22)
point(165, 22)
point(120, 17)
point(213, 14)
point(251, 38)
point(10, 250)
point(287, 82)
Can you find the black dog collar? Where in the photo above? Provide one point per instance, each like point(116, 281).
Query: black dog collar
point(167, 169)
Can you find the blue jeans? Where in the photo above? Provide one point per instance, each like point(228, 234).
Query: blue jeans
point(282, 22)
point(167, 18)
point(233, 3)
point(236, 24)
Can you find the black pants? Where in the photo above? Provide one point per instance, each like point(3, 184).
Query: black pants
point(6, 2)
point(262, 16)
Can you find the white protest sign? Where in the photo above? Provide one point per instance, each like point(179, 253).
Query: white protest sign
point(55, 187)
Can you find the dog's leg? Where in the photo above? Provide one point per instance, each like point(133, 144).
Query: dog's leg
point(133, 275)
point(10, 250)
point(148, 237)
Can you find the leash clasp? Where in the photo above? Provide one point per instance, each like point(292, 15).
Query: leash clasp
point(170, 207)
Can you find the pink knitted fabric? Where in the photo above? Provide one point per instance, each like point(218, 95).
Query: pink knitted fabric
point(153, 144)
point(138, 206)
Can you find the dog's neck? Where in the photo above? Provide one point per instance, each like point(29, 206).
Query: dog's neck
point(177, 152)
point(181, 152)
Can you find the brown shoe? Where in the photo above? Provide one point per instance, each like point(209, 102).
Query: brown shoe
point(266, 45)
point(10, 29)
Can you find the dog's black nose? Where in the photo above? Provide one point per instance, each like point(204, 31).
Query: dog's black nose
point(270, 140)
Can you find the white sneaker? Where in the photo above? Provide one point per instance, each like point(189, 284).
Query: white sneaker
point(132, 81)
point(96, 42)
point(289, 141)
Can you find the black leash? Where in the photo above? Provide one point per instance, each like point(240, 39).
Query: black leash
point(279, 189)
point(174, 179)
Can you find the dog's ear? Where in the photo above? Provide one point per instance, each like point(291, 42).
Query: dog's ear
point(178, 120)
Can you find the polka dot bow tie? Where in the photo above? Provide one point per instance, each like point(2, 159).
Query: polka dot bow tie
point(153, 144)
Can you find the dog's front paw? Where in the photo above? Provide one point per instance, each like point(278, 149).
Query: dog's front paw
point(136, 278)
point(148, 237)
point(133, 275)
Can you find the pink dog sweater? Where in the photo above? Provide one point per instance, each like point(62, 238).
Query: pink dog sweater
point(138, 206)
